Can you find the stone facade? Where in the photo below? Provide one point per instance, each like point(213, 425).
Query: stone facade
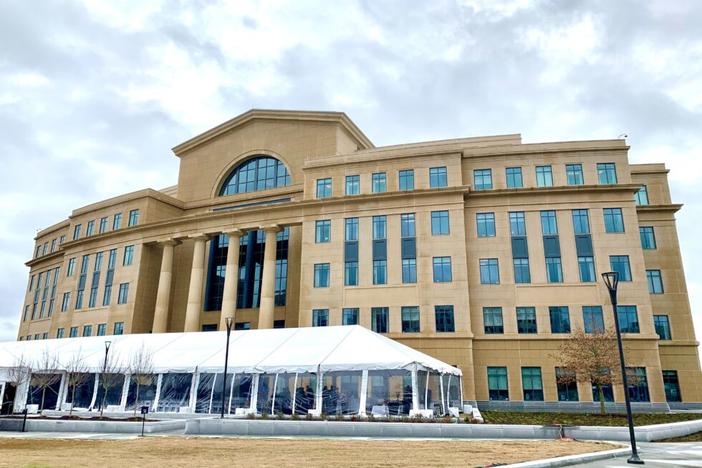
point(179, 265)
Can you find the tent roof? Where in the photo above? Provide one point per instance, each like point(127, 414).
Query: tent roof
point(253, 351)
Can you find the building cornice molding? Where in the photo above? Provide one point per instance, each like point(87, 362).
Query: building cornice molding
point(546, 148)
point(271, 114)
point(672, 208)
point(127, 197)
point(511, 192)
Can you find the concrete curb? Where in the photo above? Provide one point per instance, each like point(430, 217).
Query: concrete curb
point(572, 459)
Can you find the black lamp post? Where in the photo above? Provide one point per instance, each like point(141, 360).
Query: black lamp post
point(104, 368)
point(611, 280)
point(226, 362)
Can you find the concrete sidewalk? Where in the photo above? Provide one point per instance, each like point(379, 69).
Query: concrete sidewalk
point(659, 455)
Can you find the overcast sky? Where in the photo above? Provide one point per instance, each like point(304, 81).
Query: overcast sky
point(94, 95)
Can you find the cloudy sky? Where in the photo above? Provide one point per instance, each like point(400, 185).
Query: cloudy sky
point(93, 95)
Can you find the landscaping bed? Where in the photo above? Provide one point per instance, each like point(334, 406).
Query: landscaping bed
point(696, 437)
point(583, 419)
point(81, 418)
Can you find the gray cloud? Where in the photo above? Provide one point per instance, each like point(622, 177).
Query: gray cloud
point(91, 101)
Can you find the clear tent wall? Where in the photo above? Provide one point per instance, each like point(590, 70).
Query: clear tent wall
point(396, 392)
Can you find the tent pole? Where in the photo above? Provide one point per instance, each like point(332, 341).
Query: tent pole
point(415, 389)
point(364, 393)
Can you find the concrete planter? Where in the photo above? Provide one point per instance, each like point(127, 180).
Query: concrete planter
point(278, 428)
point(87, 426)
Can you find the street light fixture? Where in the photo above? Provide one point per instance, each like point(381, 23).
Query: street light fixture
point(611, 280)
point(226, 361)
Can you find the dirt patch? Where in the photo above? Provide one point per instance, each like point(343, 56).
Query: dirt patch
point(183, 452)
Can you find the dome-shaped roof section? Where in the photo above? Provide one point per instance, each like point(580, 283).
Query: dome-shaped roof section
point(258, 173)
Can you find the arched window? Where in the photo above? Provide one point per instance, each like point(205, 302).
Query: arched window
point(259, 173)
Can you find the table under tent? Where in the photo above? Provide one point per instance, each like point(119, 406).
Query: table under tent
point(344, 370)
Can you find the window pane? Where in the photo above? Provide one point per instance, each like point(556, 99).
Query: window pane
point(514, 177)
point(486, 224)
point(438, 177)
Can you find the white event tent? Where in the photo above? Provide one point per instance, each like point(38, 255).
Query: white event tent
point(343, 370)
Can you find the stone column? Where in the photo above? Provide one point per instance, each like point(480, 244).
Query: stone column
point(197, 274)
point(163, 294)
point(231, 278)
point(265, 312)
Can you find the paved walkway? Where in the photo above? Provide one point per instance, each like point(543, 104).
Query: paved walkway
point(659, 455)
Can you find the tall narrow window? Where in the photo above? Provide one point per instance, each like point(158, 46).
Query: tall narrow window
point(321, 275)
point(482, 179)
point(118, 328)
point(320, 317)
point(438, 177)
point(531, 384)
point(586, 268)
point(517, 224)
point(349, 316)
point(544, 176)
point(410, 319)
point(324, 188)
point(648, 237)
point(671, 386)
point(522, 274)
point(593, 320)
point(71, 266)
point(351, 229)
point(655, 281)
point(353, 185)
point(638, 384)
point(444, 319)
point(379, 182)
point(606, 173)
point(103, 225)
point(322, 231)
point(581, 222)
point(123, 293)
point(76, 231)
point(440, 223)
point(613, 219)
point(379, 227)
point(498, 389)
point(574, 174)
point(662, 326)
point(128, 255)
point(514, 177)
point(380, 271)
point(89, 228)
point(65, 301)
point(566, 384)
point(109, 277)
point(489, 271)
point(549, 226)
point(133, 218)
point(486, 224)
point(379, 319)
point(641, 197)
point(117, 221)
point(554, 271)
point(620, 264)
point(407, 225)
point(406, 179)
point(409, 270)
point(492, 320)
point(526, 320)
point(560, 319)
point(442, 269)
point(351, 273)
point(628, 319)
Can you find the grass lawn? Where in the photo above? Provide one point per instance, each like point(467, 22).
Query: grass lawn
point(583, 419)
point(696, 437)
point(181, 452)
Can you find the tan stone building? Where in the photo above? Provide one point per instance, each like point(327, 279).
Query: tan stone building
point(483, 252)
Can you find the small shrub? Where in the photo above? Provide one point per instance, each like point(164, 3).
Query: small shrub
point(264, 415)
point(280, 415)
point(251, 416)
point(309, 417)
point(295, 417)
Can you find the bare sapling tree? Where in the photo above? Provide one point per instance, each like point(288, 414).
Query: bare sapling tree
point(590, 358)
point(45, 374)
point(77, 374)
point(141, 370)
point(20, 372)
point(110, 377)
